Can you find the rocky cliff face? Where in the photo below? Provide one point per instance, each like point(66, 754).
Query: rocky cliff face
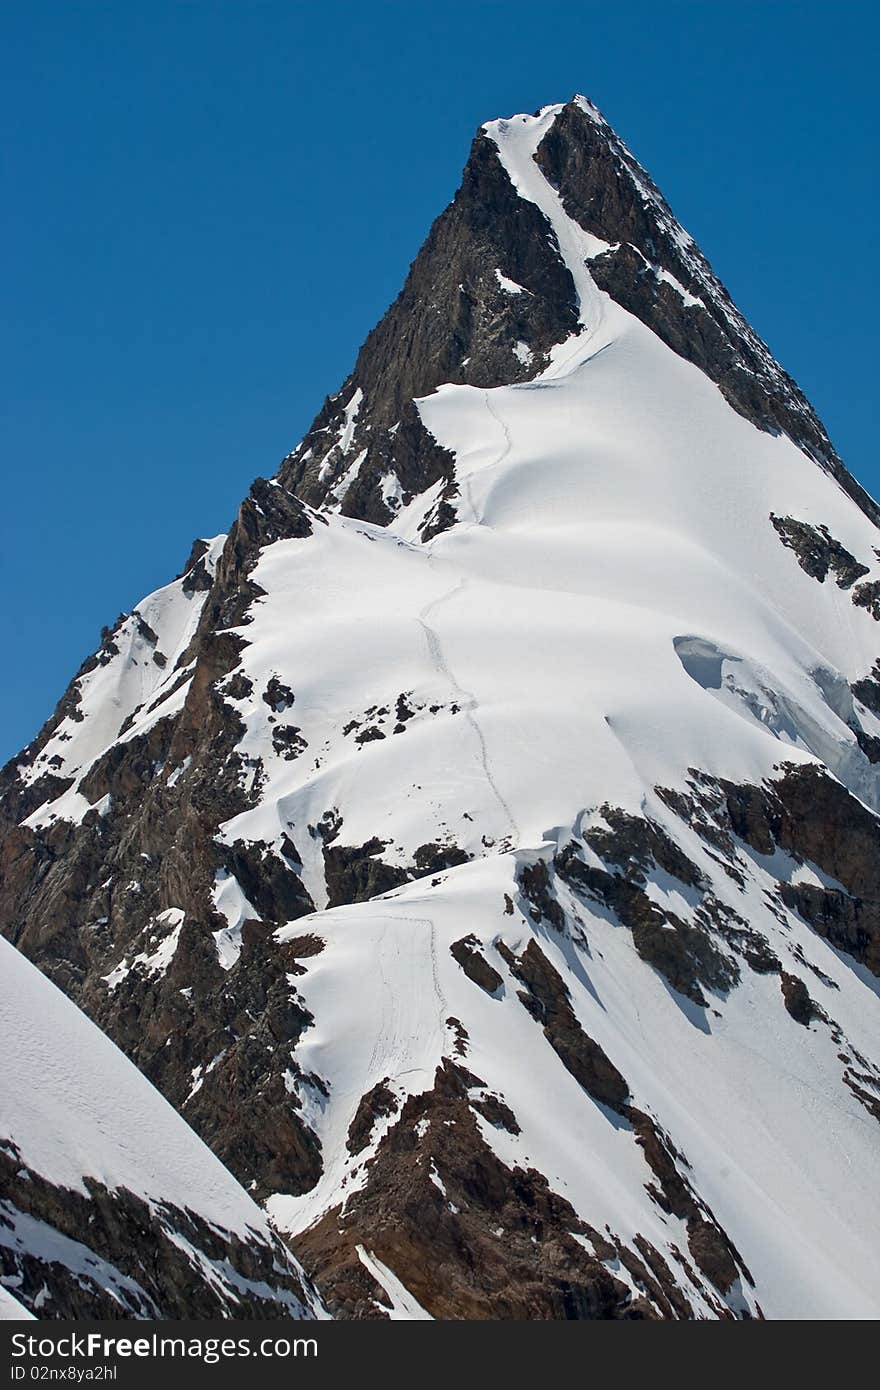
point(478, 845)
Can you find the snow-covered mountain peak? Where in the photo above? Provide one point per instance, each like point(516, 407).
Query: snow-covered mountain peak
point(492, 878)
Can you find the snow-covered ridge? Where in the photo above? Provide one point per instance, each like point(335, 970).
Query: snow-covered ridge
point(518, 138)
point(135, 680)
point(729, 349)
point(74, 1112)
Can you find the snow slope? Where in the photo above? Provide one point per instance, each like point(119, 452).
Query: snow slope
point(11, 1310)
point(74, 1112)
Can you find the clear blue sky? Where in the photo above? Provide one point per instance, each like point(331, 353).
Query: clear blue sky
point(208, 205)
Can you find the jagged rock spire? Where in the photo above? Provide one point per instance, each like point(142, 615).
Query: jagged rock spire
point(489, 295)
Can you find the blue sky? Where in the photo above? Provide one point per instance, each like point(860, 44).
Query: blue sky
point(210, 204)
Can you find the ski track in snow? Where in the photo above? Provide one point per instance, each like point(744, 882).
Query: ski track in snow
point(392, 1040)
point(467, 700)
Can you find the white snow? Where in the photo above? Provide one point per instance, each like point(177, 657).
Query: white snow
point(509, 286)
point(341, 487)
point(162, 936)
point(391, 491)
point(351, 413)
point(690, 300)
point(401, 1307)
point(179, 771)
point(232, 904)
point(343, 441)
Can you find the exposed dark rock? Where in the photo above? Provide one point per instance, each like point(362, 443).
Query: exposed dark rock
point(278, 696)
point(197, 578)
point(402, 709)
point(328, 827)
point(868, 689)
point(713, 1253)
point(711, 1248)
point(460, 1035)
point(126, 768)
point(354, 873)
point(288, 741)
point(467, 336)
point(303, 947)
point(155, 849)
point(375, 1105)
point(219, 1044)
point(534, 881)
point(20, 799)
point(247, 1104)
point(748, 809)
point(270, 512)
point(684, 953)
point(869, 744)
point(369, 734)
point(797, 998)
point(436, 859)
point(144, 630)
point(746, 941)
point(17, 801)
point(868, 596)
point(443, 515)
point(474, 964)
point(818, 552)
point(634, 844)
point(496, 1111)
point(850, 924)
point(410, 454)
point(869, 1099)
point(497, 1245)
point(198, 551)
point(87, 902)
point(269, 881)
point(238, 686)
point(652, 1275)
point(701, 810)
point(813, 817)
point(548, 1001)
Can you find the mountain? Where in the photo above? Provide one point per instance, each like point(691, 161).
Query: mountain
point(111, 1207)
point(479, 844)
